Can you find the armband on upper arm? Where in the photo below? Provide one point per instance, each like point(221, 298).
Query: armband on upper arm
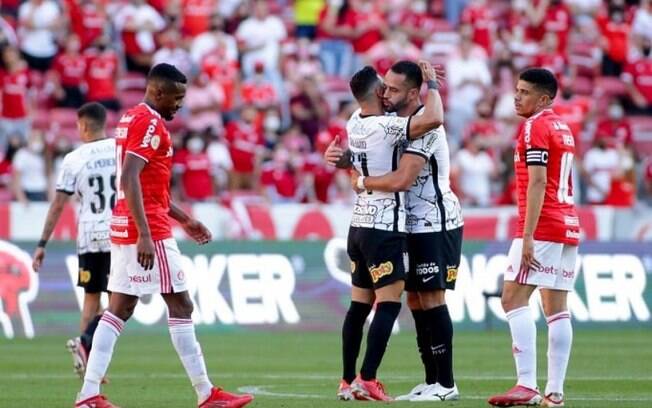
point(536, 157)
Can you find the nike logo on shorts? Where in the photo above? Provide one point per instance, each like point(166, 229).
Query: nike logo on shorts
point(427, 279)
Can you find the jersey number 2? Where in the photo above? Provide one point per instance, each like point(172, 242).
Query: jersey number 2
point(564, 194)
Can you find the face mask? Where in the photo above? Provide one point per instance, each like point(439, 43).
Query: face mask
point(36, 147)
point(195, 145)
point(616, 112)
point(272, 123)
point(567, 94)
point(647, 51)
point(419, 7)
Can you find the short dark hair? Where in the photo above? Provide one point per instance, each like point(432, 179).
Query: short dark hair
point(411, 71)
point(363, 82)
point(167, 73)
point(542, 79)
point(95, 113)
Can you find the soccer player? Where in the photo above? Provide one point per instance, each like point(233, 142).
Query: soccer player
point(376, 241)
point(145, 258)
point(434, 225)
point(89, 173)
point(544, 251)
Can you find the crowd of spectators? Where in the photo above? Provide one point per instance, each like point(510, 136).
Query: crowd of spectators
point(268, 87)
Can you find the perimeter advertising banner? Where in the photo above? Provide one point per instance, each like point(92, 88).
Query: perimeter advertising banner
point(304, 285)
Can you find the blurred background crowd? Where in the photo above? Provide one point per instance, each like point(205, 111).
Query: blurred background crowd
point(268, 87)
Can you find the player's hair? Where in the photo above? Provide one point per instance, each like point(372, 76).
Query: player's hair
point(167, 73)
point(412, 72)
point(542, 79)
point(94, 113)
point(363, 83)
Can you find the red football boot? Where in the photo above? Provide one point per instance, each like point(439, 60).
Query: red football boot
point(517, 396)
point(372, 390)
point(222, 399)
point(98, 401)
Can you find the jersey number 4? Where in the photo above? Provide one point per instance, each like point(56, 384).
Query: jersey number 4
point(565, 193)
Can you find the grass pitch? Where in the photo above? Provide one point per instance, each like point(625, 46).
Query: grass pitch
point(607, 369)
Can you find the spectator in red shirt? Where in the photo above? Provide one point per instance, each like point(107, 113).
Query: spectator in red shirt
point(369, 24)
point(196, 16)
point(549, 56)
point(308, 107)
point(637, 76)
point(484, 126)
point(479, 16)
point(102, 73)
point(203, 101)
point(258, 90)
point(68, 74)
point(615, 128)
point(137, 23)
point(333, 35)
point(194, 169)
point(245, 140)
point(394, 48)
point(88, 19)
point(416, 22)
point(318, 175)
point(279, 178)
point(14, 80)
point(575, 110)
point(615, 41)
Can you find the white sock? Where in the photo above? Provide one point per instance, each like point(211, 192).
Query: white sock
point(182, 332)
point(560, 339)
point(524, 345)
point(106, 335)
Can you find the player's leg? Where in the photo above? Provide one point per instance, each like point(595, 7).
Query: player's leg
point(90, 309)
point(387, 263)
point(182, 330)
point(560, 329)
point(121, 307)
point(362, 299)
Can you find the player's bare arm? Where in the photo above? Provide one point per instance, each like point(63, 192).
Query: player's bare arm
point(536, 190)
point(56, 208)
point(398, 180)
point(433, 113)
point(194, 228)
point(130, 184)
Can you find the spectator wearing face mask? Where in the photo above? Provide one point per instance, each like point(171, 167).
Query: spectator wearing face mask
point(615, 127)
point(193, 168)
point(637, 76)
point(600, 164)
point(68, 74)
point(30, 170)
point(615, 40)
point(203, 102)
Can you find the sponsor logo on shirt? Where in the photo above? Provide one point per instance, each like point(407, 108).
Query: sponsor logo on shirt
point(120, 234)
point(149, 134)
point(120, 220)
point(384, 269)
point(126, 119)
point(155, 142)
point(572, 221)
point(429, 268)
point(359, 144)
point(121, 133)
point(568, 274)
point(568, 140)
point(572, 234)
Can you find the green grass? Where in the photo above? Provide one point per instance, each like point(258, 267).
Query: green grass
point(607, 369)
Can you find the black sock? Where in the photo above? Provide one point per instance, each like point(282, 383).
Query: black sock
point(378, 337)
point(87, 336)
point(441, 329)
point(352, 337)
point(423, 344)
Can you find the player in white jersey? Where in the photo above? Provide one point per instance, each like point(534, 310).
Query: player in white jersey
point(376, 241)
point(87, 172)
point(434, 225)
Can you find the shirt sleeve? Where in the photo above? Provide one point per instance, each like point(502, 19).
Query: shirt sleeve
point(67, 178)
point(425, 146)
point(536, 143)
point(395, 129)
point(143, 137)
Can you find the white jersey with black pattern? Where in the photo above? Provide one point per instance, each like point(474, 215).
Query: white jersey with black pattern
point(375, 143)
point(430, 202)
point(89, 173)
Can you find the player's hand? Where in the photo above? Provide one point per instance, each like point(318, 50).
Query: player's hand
point(145, 249)
point(197, 231)
point(37, 258)
point(354, 181)
point(527, 257)
point(431, 73)
point(334, 152)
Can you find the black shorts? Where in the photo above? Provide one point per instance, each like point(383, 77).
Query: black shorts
point(434, 259)
point(94, 270)
point(378, 258)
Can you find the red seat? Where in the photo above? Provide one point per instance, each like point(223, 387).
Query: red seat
point(611, 86)
point(130, 98)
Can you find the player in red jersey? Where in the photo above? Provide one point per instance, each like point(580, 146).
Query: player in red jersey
point(544, 251)
point(145, 258)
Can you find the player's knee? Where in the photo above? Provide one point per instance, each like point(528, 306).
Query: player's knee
point(182, 309)
point(432, 299)
point(413, 301)
point(391, 292)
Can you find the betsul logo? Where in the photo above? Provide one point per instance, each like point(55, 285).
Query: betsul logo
point(18, 288)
